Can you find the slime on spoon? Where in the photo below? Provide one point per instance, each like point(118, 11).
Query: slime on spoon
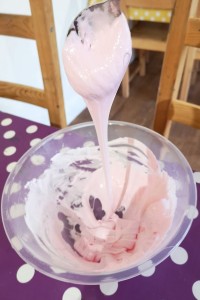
point(96, 54)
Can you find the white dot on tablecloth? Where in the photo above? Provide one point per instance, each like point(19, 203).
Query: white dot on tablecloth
point(179, 256)
point(89, 144)
point(146, 13)
point(147, 269)
point(57, 270)
point(9, 134)
point(169, 14)
point(163, 19)
point(37, 160)
point(15, 242)
point(34, 142)
point(192, 212)
point(9, 151)
point(136, 13)
point(6, 122)
point(31, 129)
point(6, 187)
point(196, 177)
point(196, 289)
point(25, 273)
point(10, 167)
point(17, 210)
point(158, 13)
point(152, 19)
point(141, 18)
point(109, 288)
point(149, 272)
point(15, 188)
point(72, 293)
point(59, 136)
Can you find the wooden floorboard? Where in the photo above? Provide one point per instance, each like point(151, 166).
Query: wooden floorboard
point(139, 109)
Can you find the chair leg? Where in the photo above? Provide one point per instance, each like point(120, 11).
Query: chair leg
point(177, 85)
point(125, 85)
point(179, 75)
point(147, 56)
point(142, 62)
point(167, 129)
point(195, 72)
point(187, 74)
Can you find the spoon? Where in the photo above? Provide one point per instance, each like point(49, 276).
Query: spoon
point(96, 54)
point(108, 9)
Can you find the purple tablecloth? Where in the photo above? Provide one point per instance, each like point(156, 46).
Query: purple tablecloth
point(178, 277)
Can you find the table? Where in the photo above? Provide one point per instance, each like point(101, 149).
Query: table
point(178, 277)
point(141, 14)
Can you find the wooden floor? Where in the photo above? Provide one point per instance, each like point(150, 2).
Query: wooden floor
point(139, 109)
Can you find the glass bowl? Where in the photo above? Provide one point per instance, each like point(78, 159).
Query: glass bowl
point(37, 159)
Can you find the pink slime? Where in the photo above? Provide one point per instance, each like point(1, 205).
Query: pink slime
point(96, 54)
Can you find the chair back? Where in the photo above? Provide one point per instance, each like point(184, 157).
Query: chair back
point(40, 27)
point(184, 31)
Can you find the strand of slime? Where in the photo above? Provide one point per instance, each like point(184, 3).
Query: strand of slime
point(100, 115)
point(96, 54)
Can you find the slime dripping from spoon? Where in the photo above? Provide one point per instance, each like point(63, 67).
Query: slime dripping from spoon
point(96, 54)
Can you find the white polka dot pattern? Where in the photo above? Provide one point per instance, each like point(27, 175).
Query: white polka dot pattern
point(149, 272)
point(139, 13)
point(15, 188)
point(179, 256)
point(34, 142)
point(6, 187)
point(10, 167)
point(192, 212)
point(196, 289)
point(109, 288)
point(59, 136)
point(9, 134)
point(16, 244)
point(57, 270)
point(6, 122)
point(37, 160)
point(31, 129)
point(147, 269)
point(17, 210)
point(25, 273)
point(72, 293)
point(196, 177)
point(9, 151)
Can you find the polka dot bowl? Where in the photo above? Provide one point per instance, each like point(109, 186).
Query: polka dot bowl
point(38, 158)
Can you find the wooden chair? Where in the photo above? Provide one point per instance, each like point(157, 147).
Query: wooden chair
point(40, 27)
point(184, 31)
point(146, 36)
point(192, 61)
